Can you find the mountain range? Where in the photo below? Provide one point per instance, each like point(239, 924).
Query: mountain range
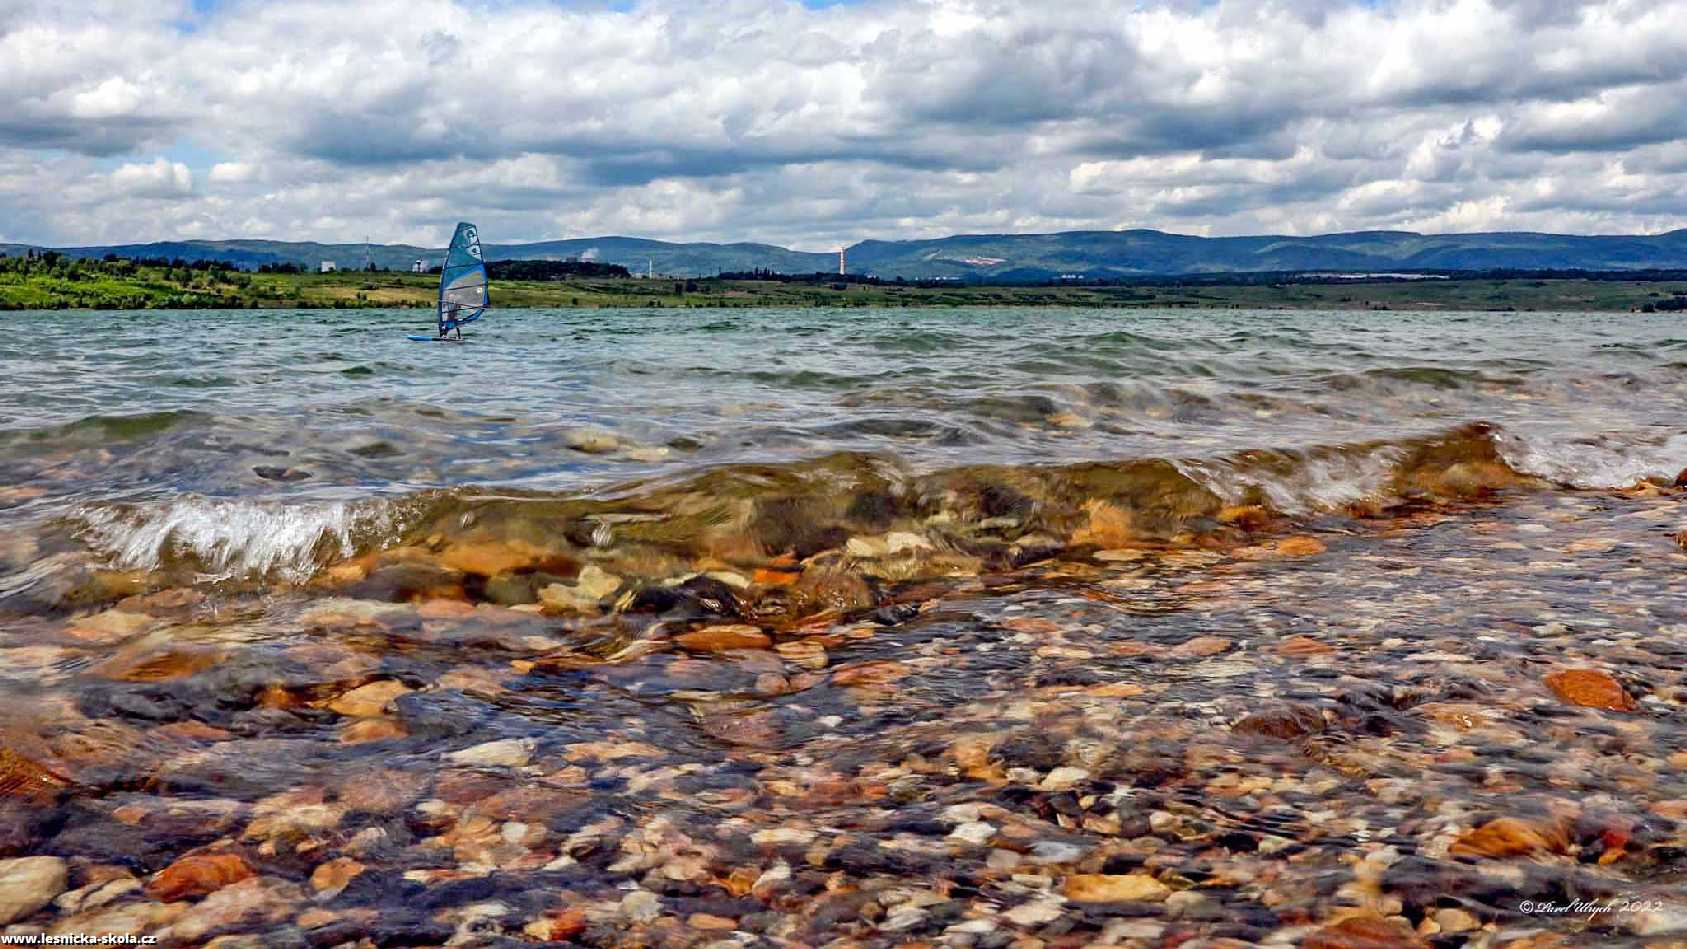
point(999, 257)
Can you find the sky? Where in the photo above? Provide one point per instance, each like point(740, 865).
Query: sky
point(817, 124)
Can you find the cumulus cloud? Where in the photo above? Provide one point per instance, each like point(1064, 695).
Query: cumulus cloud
point(769, 120)
point(155, 179)
point(232, 172)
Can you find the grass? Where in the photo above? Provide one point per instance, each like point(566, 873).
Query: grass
point(164, 287)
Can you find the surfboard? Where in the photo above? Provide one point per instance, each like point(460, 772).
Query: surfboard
point(434, 339)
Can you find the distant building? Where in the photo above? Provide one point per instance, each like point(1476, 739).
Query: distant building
point(418, 267)
point(327, 266)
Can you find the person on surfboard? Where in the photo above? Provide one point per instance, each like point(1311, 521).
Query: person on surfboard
point(450, 322)
point(463, 297)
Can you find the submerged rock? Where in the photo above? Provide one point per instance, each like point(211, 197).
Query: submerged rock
point(587, 593)
point(1287, 722)
point(1302, 647)
point(491, 558)
point(1590, 688)
point(507, 753)
point(370, 700)
point(407, 580)
point(1510, 837)
point(1108, 527)
point(275, 473)
point(28, 781)
point(29, 883)
point(1201, 647)
point(507, 589)
point(256, 900)
point(699, 597)
point(830, 591)
point(197, 875)
point(1122, 888)
point(110, 626)
point(332, 877)
point(1365, 932)
point(592, 441)
point(1302, 546)
point(724, 638)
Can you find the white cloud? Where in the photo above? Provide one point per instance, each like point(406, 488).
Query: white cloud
point(1479, 215)
point(232, 172)
point(156, 179)
point(764, 120)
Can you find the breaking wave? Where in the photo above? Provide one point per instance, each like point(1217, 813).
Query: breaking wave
point(237, 538)
point(804, 508)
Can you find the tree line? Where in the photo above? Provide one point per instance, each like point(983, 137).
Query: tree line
point(551, 269)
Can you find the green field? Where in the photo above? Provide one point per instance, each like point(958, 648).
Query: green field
point(90, 284)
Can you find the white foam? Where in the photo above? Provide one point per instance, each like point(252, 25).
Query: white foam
point(1317, 481)
point(233, 538)
point(1608, 460)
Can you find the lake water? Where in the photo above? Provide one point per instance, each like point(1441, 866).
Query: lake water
point(894, 624)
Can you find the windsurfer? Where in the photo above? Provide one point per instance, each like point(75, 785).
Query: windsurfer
point(450, 323)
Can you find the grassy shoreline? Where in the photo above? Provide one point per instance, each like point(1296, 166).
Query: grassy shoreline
point(150, 287)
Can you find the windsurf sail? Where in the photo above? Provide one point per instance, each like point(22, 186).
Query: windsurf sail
point(462, 281)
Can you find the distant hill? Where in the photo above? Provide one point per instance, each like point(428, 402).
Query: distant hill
point(636, 254)
point(1141, 252)
point(1004, 257)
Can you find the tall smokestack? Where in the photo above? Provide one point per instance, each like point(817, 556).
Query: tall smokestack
point(840, 261)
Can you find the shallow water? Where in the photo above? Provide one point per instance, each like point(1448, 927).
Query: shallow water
point(677, 626)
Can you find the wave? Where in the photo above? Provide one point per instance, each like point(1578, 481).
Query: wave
point(1594, 461)
point(751, 515)
point(1302, 482)
point(1439, 378)
point(237, 538)
point(101, 430)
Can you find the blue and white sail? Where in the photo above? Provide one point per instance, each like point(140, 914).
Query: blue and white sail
point(462, 281)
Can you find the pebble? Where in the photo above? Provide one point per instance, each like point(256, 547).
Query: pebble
point(369, 700)
point(251, 901)
point(1299, 546)
point(782, 836)
point(1201, 646)
point(723, 638)
point(585, 595)
point(591, 440)
point(641, 906)
point(1454, 920)
point(29, 883)
point(1063, 778)
point(125, 918)
point(96, 894)
point(1510, 837)
point(1111, 888)
point(332, 877)
point(558, 927)
point(1035, 912)
point(372, 729)
point(1362, 932)
point(110, 626)
point(197, 875)
point(507, 753)
point(805, 653)
point(1668, 919)
point(1591, 688)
